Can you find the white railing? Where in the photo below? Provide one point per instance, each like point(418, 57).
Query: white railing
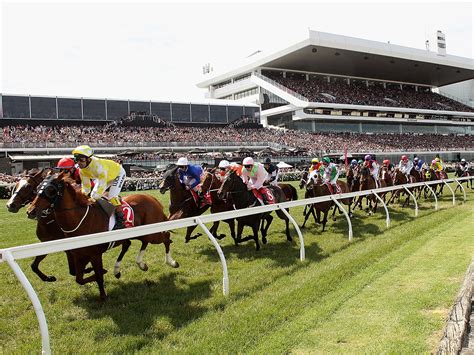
point(280, 86)
point(10, 255)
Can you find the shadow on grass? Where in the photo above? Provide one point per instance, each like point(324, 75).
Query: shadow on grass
point(134, 307)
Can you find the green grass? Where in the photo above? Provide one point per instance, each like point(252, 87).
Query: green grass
point(389, 290)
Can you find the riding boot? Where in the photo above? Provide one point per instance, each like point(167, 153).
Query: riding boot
point(119, 218)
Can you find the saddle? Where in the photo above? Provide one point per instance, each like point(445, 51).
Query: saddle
point(109, 210)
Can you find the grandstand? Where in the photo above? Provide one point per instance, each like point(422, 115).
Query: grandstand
point(333, 83)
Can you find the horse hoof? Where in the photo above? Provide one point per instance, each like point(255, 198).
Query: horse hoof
point(143, 267)
point(117, 275)
point(50, 279)
point(264, 240)
point(175, 265)
point(186, 240)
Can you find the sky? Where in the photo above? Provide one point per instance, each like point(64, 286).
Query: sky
point(155, 50)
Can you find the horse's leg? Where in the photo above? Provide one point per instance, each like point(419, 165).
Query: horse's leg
point(125, 245)
point(306, 215)
point(188, 237)
point(37, 271)
point(268, 218)
point(283, 216)
point(96, 262)
point(213, 231)
point(231, 223)
point(325, 218)
point(139, 260)
point(240, 229)
point(334, 212)
point(255, 236)
point(168, 258)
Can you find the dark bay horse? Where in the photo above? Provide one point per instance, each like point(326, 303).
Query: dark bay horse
point(290, 191)
point(182, 203)
point(460, 173)
point(76, 216)
point(242, 198)
point(47, 229)
point(401, 179)
point(211, 184)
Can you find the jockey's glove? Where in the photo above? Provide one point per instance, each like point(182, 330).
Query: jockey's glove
point(91, 200)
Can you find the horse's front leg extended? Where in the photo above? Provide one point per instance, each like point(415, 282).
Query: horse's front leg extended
point(188, 237)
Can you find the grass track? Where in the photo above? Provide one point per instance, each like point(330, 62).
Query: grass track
point(394, 285)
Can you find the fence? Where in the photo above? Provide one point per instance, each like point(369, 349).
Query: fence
point(10, 255)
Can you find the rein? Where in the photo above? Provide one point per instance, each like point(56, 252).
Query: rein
point(82, 220)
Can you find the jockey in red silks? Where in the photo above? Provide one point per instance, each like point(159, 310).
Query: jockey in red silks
point(223, 168)
point(254, 175)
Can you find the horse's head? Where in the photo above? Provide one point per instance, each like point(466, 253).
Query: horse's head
point(25, 190)
point(232, 183)
point(169, 180)
point(49, 194)
point(304, 179)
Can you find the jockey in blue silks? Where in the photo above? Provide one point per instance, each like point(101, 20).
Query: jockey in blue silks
point(190, 177)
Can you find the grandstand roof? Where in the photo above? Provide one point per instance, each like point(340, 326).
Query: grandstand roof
point(341, 55)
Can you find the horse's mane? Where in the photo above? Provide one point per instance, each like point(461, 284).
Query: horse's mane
point(70, 183)
point(171, 171)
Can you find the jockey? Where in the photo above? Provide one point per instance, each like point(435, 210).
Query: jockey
point(273, 172)
point(465, 166)
point(360, 162)
point(374, 169)
point(386, 164)
point(353, 163)
point(418, 164)
point(405, 167)
point(314, 171)
point(254, 175)
point(437, 168)
point(190, 177)
point(106, 174)
point(68, 165)
point(330, 174)
point(223, 166)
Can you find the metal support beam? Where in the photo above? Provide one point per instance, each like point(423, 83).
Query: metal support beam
point(387, 220)
point(414, 200)
point(462, 188)
point(349, 223)
point(225, 278)
point(452, 192)
point(298, 230)
point(46, 350)
point(434, 195)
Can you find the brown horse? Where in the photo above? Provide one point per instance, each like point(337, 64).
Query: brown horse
point(290, 191)
point(47, 229)
point(211, 184)
point(400, 179)
point(367, 182)
point(242, 198)
point(318, 188)
point(182, 203)
point(76, 216)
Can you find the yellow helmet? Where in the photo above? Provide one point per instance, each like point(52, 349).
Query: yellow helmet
point(437, 159)
point(83, 150)
point(315, 160)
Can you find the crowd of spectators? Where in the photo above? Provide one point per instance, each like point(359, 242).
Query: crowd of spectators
point(311, 142)
point(356, 92)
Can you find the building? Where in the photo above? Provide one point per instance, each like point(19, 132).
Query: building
point(334, 83)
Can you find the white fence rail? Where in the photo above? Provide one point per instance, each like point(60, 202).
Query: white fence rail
point(10, 255)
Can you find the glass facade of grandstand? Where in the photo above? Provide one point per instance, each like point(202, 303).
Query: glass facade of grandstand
point(51, 108)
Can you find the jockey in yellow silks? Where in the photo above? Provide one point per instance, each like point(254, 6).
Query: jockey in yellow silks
point(106, 174)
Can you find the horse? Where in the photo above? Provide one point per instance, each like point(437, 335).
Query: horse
point(400, 178)
point(319, 188)
point(233, 185)
point(308, 193)
point(431, 175)
point(58, 194)
point(386, 175)
point(182, 203)
point(290, 191)
point(367, 182)
point(460, 173)
point(210, 184)
point(47, 229)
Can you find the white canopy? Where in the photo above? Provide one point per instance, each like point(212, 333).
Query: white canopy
point(283, 165)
